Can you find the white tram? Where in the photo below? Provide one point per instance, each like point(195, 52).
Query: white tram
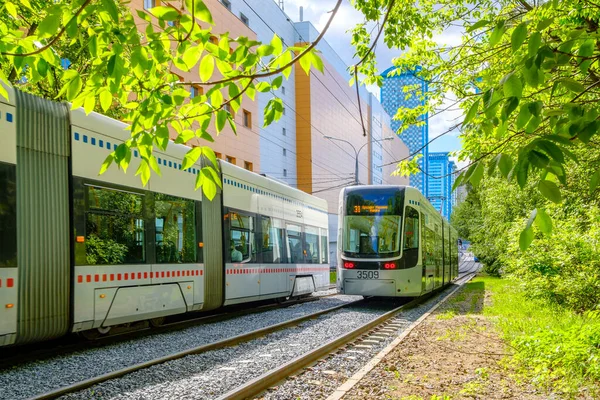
point(82, 252)
point(392, 242)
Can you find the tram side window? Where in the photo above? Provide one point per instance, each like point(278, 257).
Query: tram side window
point(324, 247)
point(411, 229)
point(241, 237)
point(294, 237)
point(8, 216)
point(175, 224)
point(114, 226)
point(311, 245)
point(272, 246)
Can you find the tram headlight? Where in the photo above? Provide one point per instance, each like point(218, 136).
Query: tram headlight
point(348, 265)
point(389, 266)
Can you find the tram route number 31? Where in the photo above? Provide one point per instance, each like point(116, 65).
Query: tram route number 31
point(367, 274)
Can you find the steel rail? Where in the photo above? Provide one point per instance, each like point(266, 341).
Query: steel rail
point(232, 341)
point(35, 352)
point(272, 377)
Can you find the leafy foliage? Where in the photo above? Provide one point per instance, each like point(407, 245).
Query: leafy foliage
point(125, 66)
point(526, 74)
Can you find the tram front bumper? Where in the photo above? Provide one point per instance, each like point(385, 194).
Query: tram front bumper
point(370, 287)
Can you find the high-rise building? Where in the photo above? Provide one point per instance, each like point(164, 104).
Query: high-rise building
point(441, 179)
point(408, 90)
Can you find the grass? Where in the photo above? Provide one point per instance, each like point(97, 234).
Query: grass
point(557, 349)
point(332, 277)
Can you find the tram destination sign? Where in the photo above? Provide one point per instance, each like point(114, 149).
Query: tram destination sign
point(370, 209)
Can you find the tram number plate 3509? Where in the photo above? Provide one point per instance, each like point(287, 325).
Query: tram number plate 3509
point(367, 274)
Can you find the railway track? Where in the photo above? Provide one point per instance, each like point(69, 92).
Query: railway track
point(375, 331)
point(40, 351)
point(258, 384)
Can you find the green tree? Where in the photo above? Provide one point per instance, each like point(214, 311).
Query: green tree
point(121, 70)
point(526, 74)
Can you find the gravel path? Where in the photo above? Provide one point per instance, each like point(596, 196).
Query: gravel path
point(33, 378)
point(321, 380)
point(213, 373)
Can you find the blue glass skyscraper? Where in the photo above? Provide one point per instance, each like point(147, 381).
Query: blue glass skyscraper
point(441, 180)
point(393, 96)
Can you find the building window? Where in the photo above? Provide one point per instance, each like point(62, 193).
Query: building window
point(148, 4)
point(283, 90)
point(196, 90)
point(284, 152)
point(227, 108)
point(284, 172)
point(219, 155)
point(283, 131)
point(230, 160)
point(244, 19)
point(227, 4)
point(247, 119)
point(248, 165)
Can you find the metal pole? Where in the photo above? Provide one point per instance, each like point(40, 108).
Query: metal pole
point(356, 170)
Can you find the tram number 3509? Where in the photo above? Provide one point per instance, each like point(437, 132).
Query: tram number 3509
point(367, 274)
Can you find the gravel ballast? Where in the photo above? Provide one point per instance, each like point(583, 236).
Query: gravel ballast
point(210, 374)
point(29, 379)
point(321, 380)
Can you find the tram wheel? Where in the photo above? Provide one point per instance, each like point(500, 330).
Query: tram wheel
point(93, 334)
point(157, 322)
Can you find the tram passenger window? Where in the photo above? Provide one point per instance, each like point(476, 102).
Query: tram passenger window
point(114, 225)
point(411, 229)
point(272, 240)
point(241, 237)
point(294, 235)
point(175, 229)
point(311, 245)
point(324, 247)
point(8, 216)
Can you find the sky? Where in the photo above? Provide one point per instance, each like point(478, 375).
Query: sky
point(316, 11)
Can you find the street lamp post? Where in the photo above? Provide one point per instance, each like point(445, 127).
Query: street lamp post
point(357, 153)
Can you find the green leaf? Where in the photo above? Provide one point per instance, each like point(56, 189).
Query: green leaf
point(518, 36)
point(90, 103)
point(509, 106)
point(277, 45)
point(111, 8)
point(535, 40)
point(200, 10)
point(264, 50)
point(154, 165)
point(571, 84)
point(504, 164)
point(477, 174)
point(107, 162)
point(525, 238)
point(221, 119)
point(552, 150)
point(210, 156)
point(162, 137)
point(512, 86)
point(191, 56)
point(263, 87)
point(594, 180)
point(207, 66)
point(305, 64)
point(543, 222)
point(191, 157)
point(543, 24)
point(522, 169)
point(457, 181)
point(49, 25)
point(12, 9)
point(276, 84)
point(497, 33)
point(550, 190)
point(209, 187)
point(523, 117)
point(163, 12)
point(317, 62)
point(588, 131)
point(144, 172)
point(479, 24)
point(74, 87)
point(472, 112)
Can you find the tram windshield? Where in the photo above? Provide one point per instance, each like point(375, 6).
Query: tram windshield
point(372, 223)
